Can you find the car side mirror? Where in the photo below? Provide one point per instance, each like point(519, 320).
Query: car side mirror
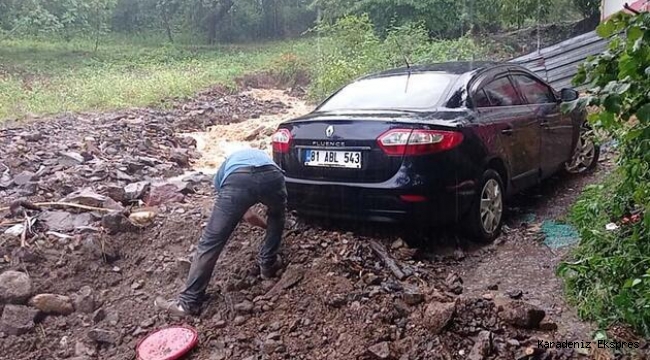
point(568, 95)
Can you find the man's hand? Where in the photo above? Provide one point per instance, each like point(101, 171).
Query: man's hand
point(254, 218)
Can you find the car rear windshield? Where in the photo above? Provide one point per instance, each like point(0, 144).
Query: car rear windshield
point(403, 91)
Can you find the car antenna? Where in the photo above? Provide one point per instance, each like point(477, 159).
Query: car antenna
point(406, 59)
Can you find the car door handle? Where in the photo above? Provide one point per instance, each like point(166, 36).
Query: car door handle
point(507, 131)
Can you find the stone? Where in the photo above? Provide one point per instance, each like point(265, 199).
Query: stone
point(15, 287)
point(244, 307)
point(180, 158)
point(71, 158)
point(521, 314)
point(81, 349)
point(219, 324)
point(98, 316)
point(291, 277)
point(371, 279)
point(412, 295)
point(380, 350)
point(493, 287)
point(17, 319)
point(515, 294)
point(85, 300)
point(438, 315)
point(104, 336)
point(240, 320)
point(135, 191)
point(104, 251)
point(483, 347)
point(115, 222)
point(52, 304)
point(59, 220)
point(164, 194)
point(115, 192)
point(454, 283)
point(24, 178)
point(274, 336)
point(90, 198)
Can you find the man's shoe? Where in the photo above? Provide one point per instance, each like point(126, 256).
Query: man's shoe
point(270, 271)
point(173, 307)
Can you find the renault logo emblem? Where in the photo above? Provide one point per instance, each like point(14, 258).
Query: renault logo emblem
point(329, 131)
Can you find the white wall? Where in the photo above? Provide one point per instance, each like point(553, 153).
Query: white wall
point(611, 7)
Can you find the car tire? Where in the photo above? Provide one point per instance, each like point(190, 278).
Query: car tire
point(485, 218)
point(587, 148)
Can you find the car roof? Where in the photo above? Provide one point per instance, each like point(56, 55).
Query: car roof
point(452, 68)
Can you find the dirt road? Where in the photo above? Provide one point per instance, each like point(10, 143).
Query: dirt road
point(337, 298)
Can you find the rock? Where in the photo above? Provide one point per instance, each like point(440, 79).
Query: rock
point(24, 178)
point(17, 319)
point(488, 296)
point(482, 347)
point(371, 279)
point(459, 254)
point(88, 197)
point(115, 222)
point(244, 307)
point(15, 287)
point(85, 300)
point(437, 315)
point(380, 351)
point(113, 318)
point(136, 191)
point(100, 250)
point(521, 314)
point(292, 276)
point(104, 336)
point(454, 283)
point(548, 326)
point(115, 192)
point(220, 324)
point(398, 244)
point(52, 304)
point(147, 323)
point(493, 287)
point(98, 316)
point(274, 336)
point(514, 294)
point(164, 194)
point(71, 158)
point(240, 320)
point(59, 220)
point(180, 158)
point(137, 285)
point(81, 349)
point(32, 136)
point(412, 295)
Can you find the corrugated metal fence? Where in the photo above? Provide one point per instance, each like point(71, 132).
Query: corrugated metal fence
point(558, 64)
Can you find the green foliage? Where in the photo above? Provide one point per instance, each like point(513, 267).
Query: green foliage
point(588, 8)
point(619, 81)
point(350, 48)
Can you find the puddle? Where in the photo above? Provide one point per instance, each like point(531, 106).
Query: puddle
point(219, 141)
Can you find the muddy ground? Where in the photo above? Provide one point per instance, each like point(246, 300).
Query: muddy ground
point(336, 298)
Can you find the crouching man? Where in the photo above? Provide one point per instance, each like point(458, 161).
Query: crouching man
point(246, 178)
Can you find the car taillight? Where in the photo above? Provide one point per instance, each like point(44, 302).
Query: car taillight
point(400, 142)
point(281, 141)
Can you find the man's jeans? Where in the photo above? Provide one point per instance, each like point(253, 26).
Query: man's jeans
point(242, 189)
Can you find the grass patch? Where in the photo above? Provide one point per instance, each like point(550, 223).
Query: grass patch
point(608, 276)
point(43, 77)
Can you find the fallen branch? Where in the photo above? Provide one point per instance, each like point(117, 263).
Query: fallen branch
point(380, 250)
point(63, 204)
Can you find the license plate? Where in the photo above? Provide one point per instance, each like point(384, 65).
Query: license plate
point(327, 158)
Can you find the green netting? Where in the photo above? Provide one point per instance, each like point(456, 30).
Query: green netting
point(559, 235)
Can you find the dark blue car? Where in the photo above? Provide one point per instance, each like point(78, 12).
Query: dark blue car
point(429, 145)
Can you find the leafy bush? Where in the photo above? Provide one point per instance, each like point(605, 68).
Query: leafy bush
point(610, 279)
point(350, 48)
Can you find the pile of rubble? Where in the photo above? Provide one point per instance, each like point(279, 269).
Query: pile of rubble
point(101, 217)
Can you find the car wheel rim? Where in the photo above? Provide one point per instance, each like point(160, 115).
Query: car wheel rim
point(491, 206)
point(584, 154)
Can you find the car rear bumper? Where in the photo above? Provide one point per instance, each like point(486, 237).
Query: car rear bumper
point(370, 202)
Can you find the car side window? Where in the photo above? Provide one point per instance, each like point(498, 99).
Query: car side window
point(534, 91)
point(481, 99)
point(501, 92)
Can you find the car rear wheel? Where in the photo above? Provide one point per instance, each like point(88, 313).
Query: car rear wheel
point(484, 220)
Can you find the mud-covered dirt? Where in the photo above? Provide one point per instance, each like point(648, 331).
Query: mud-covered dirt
point(335, 299)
